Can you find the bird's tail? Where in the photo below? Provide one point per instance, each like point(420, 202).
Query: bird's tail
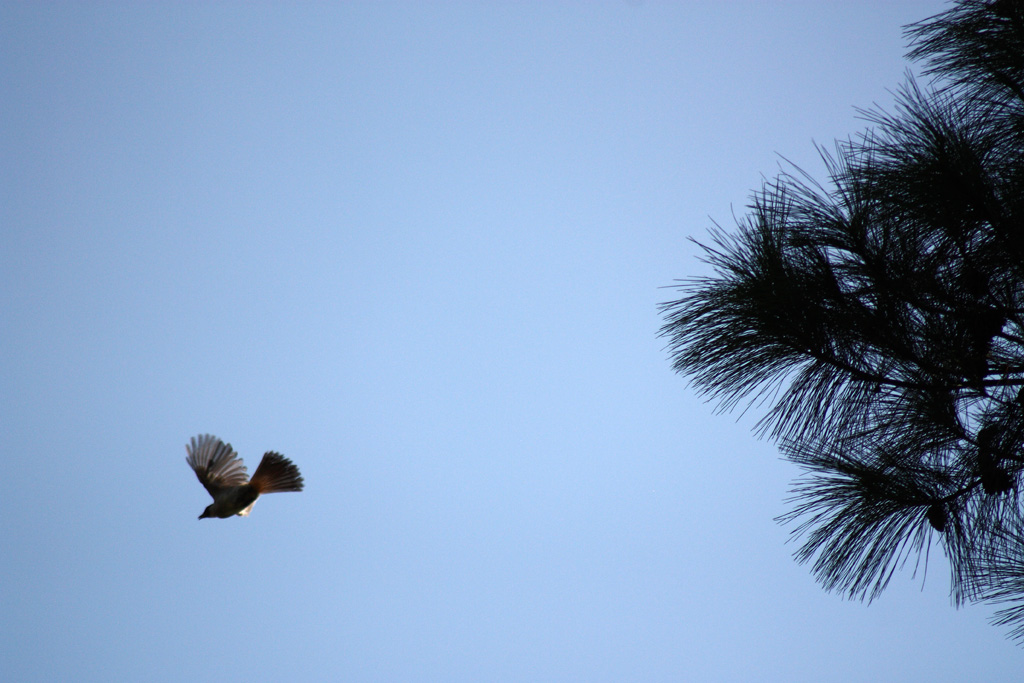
point(275, 474)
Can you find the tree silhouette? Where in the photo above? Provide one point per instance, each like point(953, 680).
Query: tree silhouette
point(882, 320)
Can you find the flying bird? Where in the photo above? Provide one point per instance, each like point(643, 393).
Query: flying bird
point(223, 474)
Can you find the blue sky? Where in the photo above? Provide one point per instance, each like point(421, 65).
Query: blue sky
point(418, 248)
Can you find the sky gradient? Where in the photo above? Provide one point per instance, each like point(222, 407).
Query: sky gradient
point(418, 248)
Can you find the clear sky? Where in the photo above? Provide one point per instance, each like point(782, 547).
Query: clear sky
point(418, 248)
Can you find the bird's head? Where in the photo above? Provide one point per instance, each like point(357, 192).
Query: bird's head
point(206, 512)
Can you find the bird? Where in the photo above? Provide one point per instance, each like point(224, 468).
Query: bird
point(222, 472)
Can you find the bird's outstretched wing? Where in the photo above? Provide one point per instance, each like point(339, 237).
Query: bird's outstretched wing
point(215, 463)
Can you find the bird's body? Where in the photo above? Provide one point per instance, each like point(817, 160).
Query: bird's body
point(231, 501)
point(222, 472)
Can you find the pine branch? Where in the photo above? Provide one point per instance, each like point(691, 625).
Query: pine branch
point(879, 318)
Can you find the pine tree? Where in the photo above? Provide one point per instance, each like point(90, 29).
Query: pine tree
point(882, 318)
